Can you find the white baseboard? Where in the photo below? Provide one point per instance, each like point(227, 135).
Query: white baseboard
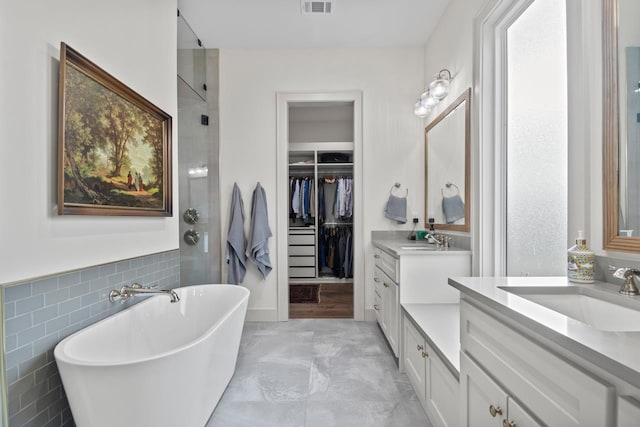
point(262, 315)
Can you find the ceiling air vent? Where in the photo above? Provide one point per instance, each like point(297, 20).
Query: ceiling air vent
point(316, 7)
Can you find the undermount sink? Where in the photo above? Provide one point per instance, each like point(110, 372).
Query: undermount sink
point(605, 311)
point(419, 248)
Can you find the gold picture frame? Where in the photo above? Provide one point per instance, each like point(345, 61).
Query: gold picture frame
point(114, 146)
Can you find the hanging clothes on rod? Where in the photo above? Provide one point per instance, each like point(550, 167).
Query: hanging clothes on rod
point(335, 250)
point(302, 196)
point(335, 192)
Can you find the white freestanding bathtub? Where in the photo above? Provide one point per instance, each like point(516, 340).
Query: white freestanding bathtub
point(157, 363)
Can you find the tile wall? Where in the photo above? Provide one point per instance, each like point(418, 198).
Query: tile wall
point(40, 313)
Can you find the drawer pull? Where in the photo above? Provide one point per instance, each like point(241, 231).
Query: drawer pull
point(385, 285)
point(376, 306)
point(506, 423)
point(420, 348)
point(376, 256)
point(375, 279)
point(496, 410)
point(425, 354)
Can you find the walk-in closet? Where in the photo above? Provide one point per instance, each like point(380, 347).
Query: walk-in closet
point(321, 209)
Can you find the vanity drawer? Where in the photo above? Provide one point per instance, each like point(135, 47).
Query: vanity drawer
point(378, 277)
point(553, 388)
point(302, 261)
point(377, 307)
point(298, 250)
point(302, 272)
point(387, 263)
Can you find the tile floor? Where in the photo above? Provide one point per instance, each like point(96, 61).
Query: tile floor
point(317, 372)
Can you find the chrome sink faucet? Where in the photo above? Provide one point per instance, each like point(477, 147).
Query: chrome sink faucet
point(127, 292)
point(627, 274)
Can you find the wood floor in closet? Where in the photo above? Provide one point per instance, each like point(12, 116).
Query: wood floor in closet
point(336, 302)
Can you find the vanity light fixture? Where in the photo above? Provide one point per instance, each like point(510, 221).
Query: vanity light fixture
point(438, 90)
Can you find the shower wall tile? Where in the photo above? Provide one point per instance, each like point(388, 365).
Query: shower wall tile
point(40, 313)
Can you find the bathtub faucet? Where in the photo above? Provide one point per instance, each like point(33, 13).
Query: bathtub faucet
point(127, 292)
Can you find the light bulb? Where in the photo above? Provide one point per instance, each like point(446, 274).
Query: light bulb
point(428, 100)
point(420, 110)
point(439, 88)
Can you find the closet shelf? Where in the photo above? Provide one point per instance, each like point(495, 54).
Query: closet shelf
point(330, 165)
point(320, 165)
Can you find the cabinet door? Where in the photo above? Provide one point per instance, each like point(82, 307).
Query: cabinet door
point(391, 309)
point(628, 412)
point(443, 392)
point(415, 358)
point(518, 417)
point(378, 306)
point(484, 403)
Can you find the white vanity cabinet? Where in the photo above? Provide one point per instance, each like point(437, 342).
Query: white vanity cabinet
point(436, 387)
point(485, 403)
point(506, 373)
point(628, 412)
point(386, 299)
point(414, 277)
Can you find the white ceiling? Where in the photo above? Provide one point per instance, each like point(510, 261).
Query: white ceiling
point(279, 24)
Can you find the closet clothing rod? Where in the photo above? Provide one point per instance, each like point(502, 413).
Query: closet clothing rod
point(336, 223)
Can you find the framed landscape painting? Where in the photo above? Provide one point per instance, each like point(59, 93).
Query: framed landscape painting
point(114, 146)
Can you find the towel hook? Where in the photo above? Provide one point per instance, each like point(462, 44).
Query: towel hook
point(397, 185)
point(449, 185)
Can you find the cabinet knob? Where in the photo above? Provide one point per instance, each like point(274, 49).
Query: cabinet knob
point(376, 306)
point(385, 285)
point(420, 348)
point(425, 354)
point(376, 256)
point(375, 279)
point(506, 423)
point(495, 410)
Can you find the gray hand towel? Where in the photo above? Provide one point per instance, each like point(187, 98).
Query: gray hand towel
point(453, 208)
point(236, 242)
point(260, 232)
point(396, 209)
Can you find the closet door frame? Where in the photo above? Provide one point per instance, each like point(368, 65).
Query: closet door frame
point(283, 99)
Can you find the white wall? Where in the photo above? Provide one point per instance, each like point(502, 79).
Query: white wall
point(452, 46)
point(135, 42)
point(390, 80)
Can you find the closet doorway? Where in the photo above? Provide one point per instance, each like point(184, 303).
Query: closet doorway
point(319, 138)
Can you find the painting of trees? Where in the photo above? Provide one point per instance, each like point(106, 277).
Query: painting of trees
point(114, 151)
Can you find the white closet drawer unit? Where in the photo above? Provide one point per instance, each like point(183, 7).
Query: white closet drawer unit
point(302, 261)
point(299, 250)
point(302, 239)
point(302, 272)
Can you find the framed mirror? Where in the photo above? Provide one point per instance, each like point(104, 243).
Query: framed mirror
point(621, 125)
point(447, 159)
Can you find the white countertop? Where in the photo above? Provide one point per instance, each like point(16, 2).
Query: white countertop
point(397, 247)
point(616, 352)
point(441, 324)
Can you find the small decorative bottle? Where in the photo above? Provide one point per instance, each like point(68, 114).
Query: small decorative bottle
point(580, 262)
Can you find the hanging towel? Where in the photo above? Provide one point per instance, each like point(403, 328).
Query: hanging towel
point(260, 232)
point(453, 208)
point(236, 242)
point(396, 209)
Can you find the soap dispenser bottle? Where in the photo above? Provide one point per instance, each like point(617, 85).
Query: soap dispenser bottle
point(580, 261)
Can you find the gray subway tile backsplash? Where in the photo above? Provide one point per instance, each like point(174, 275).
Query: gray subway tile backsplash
point(45, 285)
point(40, 313)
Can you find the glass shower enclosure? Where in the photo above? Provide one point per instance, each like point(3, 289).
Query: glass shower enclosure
point(197, 159)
